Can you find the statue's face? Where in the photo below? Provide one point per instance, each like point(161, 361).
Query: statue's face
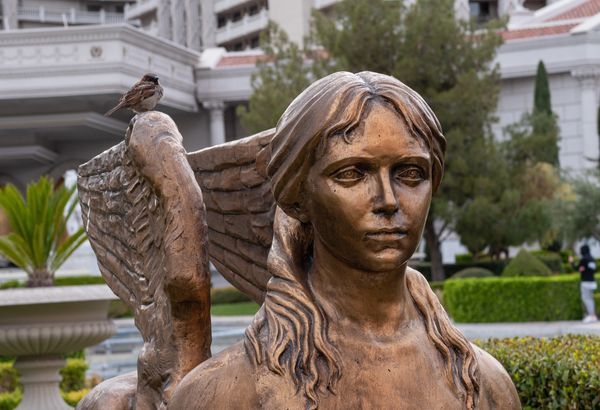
point(368, 200)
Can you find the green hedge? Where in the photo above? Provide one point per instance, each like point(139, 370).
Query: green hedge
point(451, 268)
point(227, 295)
point(513, 299)
point(474, 272)
point(557, 373)
point(72, 386)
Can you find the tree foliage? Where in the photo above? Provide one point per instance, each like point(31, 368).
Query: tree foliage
point(282, 74)
point(39, 242)
point(541, 94)
point(581, 215)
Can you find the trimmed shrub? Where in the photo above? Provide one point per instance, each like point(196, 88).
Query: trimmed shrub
point(227, 295)
point(9, 378)
point(10, 400)
point(10, 284)
point(552, 260)
point(516, 299)
point(463, 258)
point(73, 375)
point(496, 266)
point(74, 397)
point(474, 272)
point(551, 374)
point(79, 280)
point(525, 264)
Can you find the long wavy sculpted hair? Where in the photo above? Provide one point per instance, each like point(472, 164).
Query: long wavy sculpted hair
point(289, 333)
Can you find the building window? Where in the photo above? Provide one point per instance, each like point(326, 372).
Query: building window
point(254, 42)
point(93, 7)
point(534, 4)
point(237, 16)
point(253, 10)
point(483, 10)
point(221, 22)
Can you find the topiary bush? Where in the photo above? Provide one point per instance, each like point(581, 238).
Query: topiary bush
point(551, 374)
point(73, 375)
point(552, 260)
point(463, 258)
point(513, 299)
point(525, 264)
point(474, 272)
point(75, 396)
point(9, 378)
point(10, 400)
point(227, 295)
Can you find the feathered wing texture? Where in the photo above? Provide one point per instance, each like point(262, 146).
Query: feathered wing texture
point(240, 209)
point(144, 215)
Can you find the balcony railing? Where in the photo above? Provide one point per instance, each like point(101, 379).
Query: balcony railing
point(68, 16)
point(222, 5)
point(138, 9)
point(248, 24)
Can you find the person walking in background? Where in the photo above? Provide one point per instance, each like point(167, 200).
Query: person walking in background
point(587, 268)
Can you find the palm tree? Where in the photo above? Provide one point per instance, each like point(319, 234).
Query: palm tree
point(39, 242)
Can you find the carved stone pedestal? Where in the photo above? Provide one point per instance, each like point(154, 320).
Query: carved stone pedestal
point(39, 325)
point(41, 378)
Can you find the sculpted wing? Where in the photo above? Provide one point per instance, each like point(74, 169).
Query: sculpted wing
point(240, 209)
point(144, 216)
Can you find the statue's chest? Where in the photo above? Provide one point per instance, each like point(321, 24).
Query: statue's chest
point(378, 378)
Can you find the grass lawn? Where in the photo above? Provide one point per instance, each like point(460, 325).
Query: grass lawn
point(234, 309)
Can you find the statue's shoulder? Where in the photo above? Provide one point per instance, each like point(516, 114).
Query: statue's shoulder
point(496, 390)
point(226, 381)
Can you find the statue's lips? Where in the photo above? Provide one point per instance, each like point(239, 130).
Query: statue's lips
point(387, 235)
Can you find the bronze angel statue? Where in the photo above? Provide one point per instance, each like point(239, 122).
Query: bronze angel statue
point(315, 220)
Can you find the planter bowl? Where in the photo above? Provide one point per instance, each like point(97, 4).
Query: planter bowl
point(40, 325)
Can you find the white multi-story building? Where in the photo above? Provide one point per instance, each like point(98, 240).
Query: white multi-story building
point(63, 63)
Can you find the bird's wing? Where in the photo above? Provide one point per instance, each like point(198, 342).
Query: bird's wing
point(240, 209)
point(144, 215)
point(139, 92)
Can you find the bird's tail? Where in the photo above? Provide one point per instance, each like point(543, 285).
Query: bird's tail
point(112, 110)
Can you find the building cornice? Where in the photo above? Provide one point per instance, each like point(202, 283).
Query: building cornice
point(90, 33)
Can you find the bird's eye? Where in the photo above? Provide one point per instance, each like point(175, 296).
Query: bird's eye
point(349, 174)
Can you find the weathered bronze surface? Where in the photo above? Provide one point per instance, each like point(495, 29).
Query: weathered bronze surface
point(317, 219)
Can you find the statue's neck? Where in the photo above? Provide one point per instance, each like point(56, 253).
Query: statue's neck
point(376, 303)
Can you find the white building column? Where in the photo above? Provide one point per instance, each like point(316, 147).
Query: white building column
point(216, 110)
point(461, 9)
point(192, 24)
point(178, 21)
point(164, 19)
point(588, 84)
point(9, 11)
point(209, 23)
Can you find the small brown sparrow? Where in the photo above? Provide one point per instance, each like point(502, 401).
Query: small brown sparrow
point(143, 96)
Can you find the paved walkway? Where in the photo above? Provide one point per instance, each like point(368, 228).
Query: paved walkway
point(118, 355)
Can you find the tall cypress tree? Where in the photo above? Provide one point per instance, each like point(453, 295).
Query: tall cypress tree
point(541, 101)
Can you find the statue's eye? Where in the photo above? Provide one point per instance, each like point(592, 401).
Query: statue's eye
point(410, 173)
point(348, 174)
